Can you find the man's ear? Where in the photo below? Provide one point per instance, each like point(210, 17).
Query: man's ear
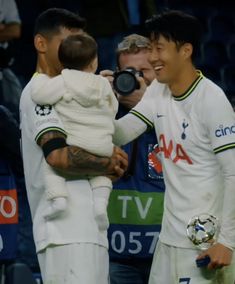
point(40, 43)
point(187, 50)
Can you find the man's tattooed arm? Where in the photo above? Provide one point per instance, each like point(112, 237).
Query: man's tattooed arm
point(72, 160)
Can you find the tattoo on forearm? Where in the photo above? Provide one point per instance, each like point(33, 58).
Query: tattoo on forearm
point(76, 161)
point(80, 159)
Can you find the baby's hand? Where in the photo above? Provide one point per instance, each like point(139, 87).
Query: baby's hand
point(107, 74)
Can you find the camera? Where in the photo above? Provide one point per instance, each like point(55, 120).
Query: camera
point(125, 81)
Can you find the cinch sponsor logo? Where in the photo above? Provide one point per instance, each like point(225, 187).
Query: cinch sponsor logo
point(223, 131)
point(8, 207)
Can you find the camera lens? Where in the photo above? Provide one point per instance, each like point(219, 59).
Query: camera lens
point(125, 81)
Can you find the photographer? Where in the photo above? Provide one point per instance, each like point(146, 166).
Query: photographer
point(133, 234)
point(131, 59)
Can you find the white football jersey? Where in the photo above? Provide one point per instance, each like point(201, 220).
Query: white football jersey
point(191, 130)
point(78, 223)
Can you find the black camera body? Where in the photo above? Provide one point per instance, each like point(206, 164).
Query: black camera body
point(125, 82)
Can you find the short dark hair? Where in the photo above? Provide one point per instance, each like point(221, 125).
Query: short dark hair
point(176, 26)
point(51, 20)
point(77, 51)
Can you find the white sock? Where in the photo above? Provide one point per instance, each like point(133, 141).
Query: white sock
point(56, 207)
point(100, 198)
point(100, 211)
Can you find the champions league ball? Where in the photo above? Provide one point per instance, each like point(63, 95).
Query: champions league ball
point(202, 230)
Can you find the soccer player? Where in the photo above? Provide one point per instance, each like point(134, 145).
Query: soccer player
point(195, 129)
point(87, 113)
point(136, 201)
point(70, 248)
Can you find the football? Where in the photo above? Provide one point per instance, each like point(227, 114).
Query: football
point(202, 229)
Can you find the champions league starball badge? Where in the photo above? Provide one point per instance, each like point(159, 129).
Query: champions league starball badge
point(202, 230)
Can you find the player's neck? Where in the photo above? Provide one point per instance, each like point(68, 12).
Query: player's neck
point(43, 67)
point(184, 81)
